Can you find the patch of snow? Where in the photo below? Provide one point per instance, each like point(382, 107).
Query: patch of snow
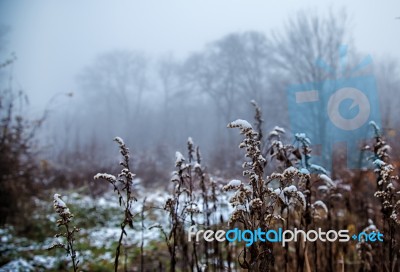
point(386, 148)
point(328, 181)
point(119, 140)
point(302, 137)
point(240, 123)
point(235, 183)
point(105, 176)
point(278, 144)
point(104, 237)
point(318, 168)
point(58, 200)
point(273, 133)
point(345, 187)
point(321, 204)
point(279, 129)
point(47, 262)
point(290, 171)
point(19, 264)
point(372, 123)
point(240, 208)
point(179, 157)
point(379, 163)
point(323, 188)
point(290, 189)
point(371, 226)
point(107, 256)
point(304, 171)
point(280, 194)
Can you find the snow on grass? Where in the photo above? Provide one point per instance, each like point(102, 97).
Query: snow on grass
point(19, 264)
point(101, 216)
point(47, 262)
point(107, 256)
point(104, 237)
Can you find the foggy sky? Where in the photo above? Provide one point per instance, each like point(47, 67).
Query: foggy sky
point(55, 40)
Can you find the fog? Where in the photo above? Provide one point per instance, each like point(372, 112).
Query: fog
point(134, 69)
point(54, 41)
point(161, 109)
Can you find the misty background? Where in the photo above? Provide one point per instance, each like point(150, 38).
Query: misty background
point(156, 73)
point(74, 75)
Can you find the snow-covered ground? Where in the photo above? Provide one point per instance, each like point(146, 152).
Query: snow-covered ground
point(95, 243)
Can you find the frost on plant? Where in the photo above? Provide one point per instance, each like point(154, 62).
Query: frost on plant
point(64, 220)
point(123, 186)
point(191, 183)
point(281, 198)
point(365, 250)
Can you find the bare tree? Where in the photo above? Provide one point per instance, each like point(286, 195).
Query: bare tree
point(117, 81)
point(306, 38)
point(168, 75)
point(229, 71)
point(387, 75)
point(307, 51)
point(17, 149)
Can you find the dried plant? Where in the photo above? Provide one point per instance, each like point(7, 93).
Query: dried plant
point(192, 185)
point(252, 203)
point(64, 221)
point(365, 250)
point(123, 186)
point(176, 211)
point(259, 205)
point(387, 196)
point(283, 188)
